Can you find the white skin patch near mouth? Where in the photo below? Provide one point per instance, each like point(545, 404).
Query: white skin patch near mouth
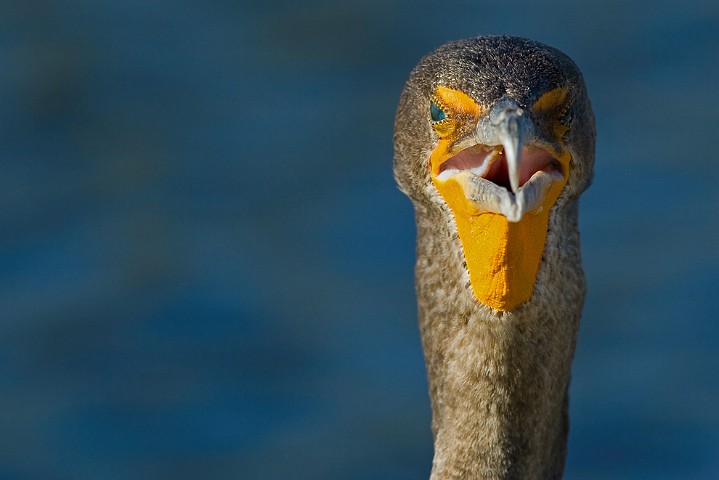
point(490, 197)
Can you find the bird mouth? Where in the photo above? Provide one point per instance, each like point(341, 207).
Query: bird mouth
point(490, 163)
point(485, 175)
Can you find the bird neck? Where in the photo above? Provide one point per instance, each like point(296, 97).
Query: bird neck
point(498, 380)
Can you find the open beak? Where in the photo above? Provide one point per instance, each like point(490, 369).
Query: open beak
point(500, 166)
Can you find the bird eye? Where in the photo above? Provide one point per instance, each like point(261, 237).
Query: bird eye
point(436, 113)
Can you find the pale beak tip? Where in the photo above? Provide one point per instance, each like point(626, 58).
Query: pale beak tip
point(514, 182)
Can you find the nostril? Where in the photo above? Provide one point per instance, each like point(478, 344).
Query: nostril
point(503, 108)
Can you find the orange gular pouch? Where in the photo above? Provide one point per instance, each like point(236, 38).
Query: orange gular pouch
point(502, 257)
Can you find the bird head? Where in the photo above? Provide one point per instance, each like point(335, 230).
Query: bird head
point(497, 133)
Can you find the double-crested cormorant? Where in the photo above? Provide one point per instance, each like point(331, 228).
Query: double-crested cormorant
point(494, 143)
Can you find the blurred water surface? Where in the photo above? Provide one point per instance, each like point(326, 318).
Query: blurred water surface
point(206, 269)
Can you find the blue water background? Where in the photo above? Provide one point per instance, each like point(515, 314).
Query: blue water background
point(206, 268)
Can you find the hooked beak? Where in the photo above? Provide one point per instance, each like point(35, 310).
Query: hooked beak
point(507, 125)
point(499, 165)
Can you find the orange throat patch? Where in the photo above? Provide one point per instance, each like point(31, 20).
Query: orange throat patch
point(502, 257)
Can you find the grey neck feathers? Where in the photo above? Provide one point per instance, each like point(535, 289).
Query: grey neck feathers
point(498, 381)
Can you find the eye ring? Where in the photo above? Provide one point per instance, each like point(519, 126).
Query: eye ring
point(436, 114)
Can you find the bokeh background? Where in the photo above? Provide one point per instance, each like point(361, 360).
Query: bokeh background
point(206, 268)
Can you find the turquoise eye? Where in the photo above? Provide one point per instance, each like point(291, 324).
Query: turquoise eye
point(436, 113)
